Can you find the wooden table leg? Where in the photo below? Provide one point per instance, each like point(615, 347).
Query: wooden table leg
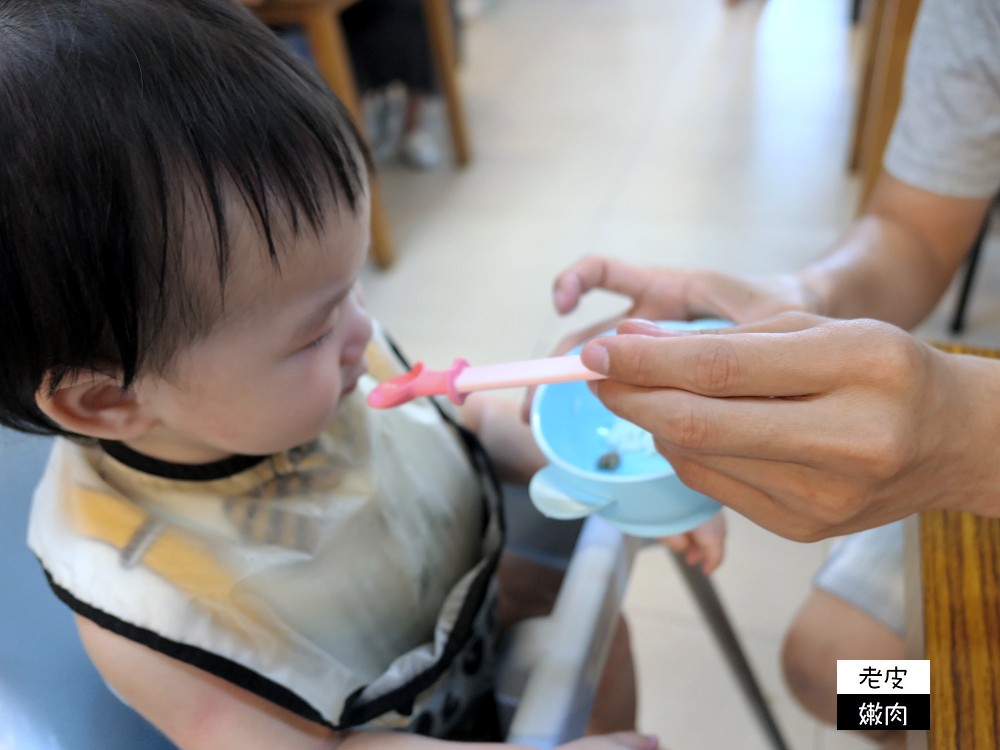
point(329, 49)
point(437, 16)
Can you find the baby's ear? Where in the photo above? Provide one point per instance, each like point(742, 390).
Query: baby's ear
point(94, 404)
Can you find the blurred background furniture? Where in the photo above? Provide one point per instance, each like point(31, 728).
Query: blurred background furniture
point(319, 21)
point(889, 25)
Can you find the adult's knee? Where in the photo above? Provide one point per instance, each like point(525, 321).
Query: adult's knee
point(810, 669)
point(826, 629)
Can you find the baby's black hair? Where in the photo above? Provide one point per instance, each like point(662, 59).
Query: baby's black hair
point(123, 124)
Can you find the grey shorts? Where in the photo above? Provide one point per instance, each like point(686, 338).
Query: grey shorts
point(866, 570)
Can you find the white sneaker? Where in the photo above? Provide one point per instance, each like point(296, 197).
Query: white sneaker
point(383, 120)
point(421, 150)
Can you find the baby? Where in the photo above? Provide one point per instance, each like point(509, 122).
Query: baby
point(255, 559)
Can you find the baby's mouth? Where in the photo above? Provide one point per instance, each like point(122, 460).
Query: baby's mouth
point(352, 382)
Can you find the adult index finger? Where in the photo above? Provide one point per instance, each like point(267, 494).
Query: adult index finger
point(595, 272)
point(764, 364)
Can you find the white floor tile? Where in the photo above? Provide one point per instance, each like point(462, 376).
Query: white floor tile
point(762, 581)
point(688, 697)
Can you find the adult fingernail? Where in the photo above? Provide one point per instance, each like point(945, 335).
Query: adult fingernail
point(563, 296)
point(559, 298)
point(648, 328)
point(595, 357)
point(652, 742)
point(638, 325)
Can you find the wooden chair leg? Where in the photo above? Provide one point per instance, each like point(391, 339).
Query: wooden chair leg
point(437, 16)
point(887, 87)
point(382, 249)
point(862, 101)
point(329, 50)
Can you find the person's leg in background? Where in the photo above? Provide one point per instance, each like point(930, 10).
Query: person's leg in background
point(389, 47)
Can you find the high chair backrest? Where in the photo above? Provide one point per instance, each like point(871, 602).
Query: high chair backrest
point(51, 697)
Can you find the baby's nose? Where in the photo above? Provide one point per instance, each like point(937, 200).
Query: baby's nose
point(357, 342)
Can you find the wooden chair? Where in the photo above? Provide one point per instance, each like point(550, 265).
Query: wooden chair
point(319, 20)
point(880, 90)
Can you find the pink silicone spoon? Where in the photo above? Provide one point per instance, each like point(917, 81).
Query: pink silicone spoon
point(460, 379)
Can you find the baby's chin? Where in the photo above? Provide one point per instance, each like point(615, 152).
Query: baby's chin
point(293, 441)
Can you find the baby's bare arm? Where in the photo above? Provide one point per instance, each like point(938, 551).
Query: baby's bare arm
point(198, 711)
point(497, 422)
point(193, 708)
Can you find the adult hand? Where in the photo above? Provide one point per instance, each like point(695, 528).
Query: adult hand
point(808, 426)
point(670, 294)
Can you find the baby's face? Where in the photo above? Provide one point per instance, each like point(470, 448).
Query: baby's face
point(271, 373)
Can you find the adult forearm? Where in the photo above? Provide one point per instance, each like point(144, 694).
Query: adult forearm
point(895, 263)
point(878, 270)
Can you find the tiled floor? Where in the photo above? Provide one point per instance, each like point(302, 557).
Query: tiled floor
point(673, 132)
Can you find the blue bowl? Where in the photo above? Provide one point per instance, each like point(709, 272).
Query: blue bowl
point(636, 490)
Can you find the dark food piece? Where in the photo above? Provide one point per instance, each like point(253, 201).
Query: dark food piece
point(609, 461)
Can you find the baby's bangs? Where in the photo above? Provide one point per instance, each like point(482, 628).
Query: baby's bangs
point(281, 141)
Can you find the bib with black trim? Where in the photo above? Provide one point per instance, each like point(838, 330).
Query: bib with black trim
point(350, 580)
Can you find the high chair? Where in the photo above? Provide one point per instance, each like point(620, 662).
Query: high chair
point(52, 698)
point(551, 666)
